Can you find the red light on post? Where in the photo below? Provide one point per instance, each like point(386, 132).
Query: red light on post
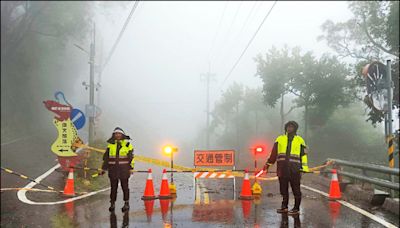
point(258, 149)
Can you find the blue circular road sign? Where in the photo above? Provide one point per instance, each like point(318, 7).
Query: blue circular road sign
point(78, 118)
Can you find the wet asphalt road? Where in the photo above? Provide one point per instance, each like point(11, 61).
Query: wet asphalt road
point(30, 156)
point(216, 207)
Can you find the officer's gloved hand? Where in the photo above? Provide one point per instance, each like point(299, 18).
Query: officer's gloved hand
point(102, 172)
point(266, 166)
point(132, 170)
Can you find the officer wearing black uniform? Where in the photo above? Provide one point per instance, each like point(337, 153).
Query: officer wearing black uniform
point(290, 153)
point(119, 161)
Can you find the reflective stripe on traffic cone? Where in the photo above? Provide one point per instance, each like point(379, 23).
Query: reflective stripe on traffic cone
point(149, 189)
point(164, 190)
point(334, 189)
point(69, 186)
point(246, 189)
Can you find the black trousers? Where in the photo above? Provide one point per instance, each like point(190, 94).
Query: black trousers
point(114, 187)
point(294, 181)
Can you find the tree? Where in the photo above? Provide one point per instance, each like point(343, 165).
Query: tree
point(347, 136)
point(319, 85)
point(372, 34)
point(275, 84)
point(35, 59)
point(226, 110)
point(239, 117)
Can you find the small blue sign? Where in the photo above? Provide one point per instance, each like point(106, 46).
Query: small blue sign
point(78, 118)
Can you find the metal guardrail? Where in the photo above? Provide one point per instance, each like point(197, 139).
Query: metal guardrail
point(370, 167)
point(380, 182)
point(365, 166)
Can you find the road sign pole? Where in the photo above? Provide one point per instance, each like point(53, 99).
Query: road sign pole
point(390, 121)
point(91, 93)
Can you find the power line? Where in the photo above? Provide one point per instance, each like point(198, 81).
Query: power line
point(120, 34)
point(248, 16)
point(229, 30)
point(241, 30)
point(248, 44)
point(217, 31)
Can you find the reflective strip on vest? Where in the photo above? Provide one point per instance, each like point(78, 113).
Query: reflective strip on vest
point(294, 160)
point(121, 156)
point(120, 162)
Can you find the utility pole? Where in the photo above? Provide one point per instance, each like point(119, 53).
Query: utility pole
point(91, 87)
point(207, 77)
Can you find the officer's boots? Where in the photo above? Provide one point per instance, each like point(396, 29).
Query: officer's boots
point(296, 208)
point(112, 206)
point(284, 207)
point(125, 207)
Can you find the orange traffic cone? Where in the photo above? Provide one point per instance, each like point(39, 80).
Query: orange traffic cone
point(149, 189)
point(69, 186)
point(246, 207)
point(164, 190)
point(148, 207)
point(246, 189)
point(334, 190)
point(164, 205)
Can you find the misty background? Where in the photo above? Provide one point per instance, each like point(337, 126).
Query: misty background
point(152, 85)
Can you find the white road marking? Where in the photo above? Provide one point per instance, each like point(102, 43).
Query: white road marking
point(22, 193)
point(16, 140)
point(355, 208)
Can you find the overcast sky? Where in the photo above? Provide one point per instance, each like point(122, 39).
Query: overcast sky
point(152, 85)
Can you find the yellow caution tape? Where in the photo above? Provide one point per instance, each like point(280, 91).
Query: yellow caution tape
point(8, 171)
point(167, 164)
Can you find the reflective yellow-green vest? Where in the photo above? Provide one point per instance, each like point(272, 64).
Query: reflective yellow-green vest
point(295, 150)
point(123, 158)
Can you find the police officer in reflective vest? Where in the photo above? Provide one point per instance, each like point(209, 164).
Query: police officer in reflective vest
point(119, 161)
point(290, 152)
